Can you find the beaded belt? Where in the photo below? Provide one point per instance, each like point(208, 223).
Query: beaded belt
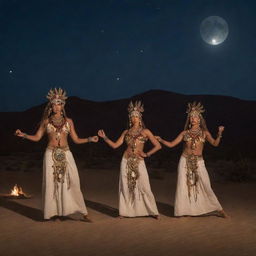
point(66, 148)
point(59, 167)
point(199, 157)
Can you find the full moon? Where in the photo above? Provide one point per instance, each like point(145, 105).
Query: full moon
point(214, 30)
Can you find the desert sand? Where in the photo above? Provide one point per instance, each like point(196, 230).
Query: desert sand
point(23, 231)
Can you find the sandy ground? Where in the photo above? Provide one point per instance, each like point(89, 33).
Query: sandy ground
point(23, 232)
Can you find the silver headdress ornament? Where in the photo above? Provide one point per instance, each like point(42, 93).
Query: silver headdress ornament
point(135, 109)
point(57, 96)
point(195, 109)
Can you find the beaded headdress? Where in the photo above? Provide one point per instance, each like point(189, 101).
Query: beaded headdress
point(57, 96)
point(135, 109)
point(195, 109)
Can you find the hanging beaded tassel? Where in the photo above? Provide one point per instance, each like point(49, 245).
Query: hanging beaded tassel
point(192, 175)
point(132, 173)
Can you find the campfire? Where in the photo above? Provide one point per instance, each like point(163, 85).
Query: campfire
point(17, 192)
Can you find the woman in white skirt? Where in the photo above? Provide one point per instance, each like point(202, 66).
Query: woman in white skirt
point(135, 195)
point(194, 195)
point(61, 185)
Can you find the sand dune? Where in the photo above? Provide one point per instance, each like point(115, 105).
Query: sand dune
point(23, 232)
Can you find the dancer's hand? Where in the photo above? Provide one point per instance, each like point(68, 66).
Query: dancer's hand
point(101, 134)
point(94, 139)
point(142, 154)
point(221, 129)
point(19, 133)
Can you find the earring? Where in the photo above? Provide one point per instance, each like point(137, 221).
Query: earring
point(49, 111)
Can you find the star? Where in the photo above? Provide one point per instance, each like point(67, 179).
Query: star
point(10, 71)
point(118, 78)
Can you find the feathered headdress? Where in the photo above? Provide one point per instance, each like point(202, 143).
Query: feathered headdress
point(195, 109)
point(135, 109)
point(57, 96)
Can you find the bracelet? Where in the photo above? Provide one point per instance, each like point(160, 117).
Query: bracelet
point(89, 139)
point(147, 155)
point(105, 138)
point(219, 136)
point(25, 136)
point(160, 139)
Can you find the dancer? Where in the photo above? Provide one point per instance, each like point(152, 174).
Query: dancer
point(61, 185)
point(135, 195)
point(194, 195)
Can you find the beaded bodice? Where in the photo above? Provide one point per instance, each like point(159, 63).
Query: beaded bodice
point(131, 138)
point(51, 128)
point(194, 137)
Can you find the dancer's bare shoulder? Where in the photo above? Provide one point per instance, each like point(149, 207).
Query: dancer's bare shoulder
point(146, 132)
point(124, 133)
point(45, 122)
point(70, 121)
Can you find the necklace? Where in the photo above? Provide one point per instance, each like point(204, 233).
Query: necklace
point(195, 136)
point(57, 118)
point(132, 136)
point(58, 123)
point(135, 132)
point(195, 131)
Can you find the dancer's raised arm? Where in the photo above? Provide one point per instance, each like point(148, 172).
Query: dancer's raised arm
point(75, 137)
point(211, 140)
point(111, 143)
point(37, 136)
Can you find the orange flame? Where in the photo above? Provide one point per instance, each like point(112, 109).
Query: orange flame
point(17, 191)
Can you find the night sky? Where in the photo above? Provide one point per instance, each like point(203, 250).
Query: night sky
point(111, 49)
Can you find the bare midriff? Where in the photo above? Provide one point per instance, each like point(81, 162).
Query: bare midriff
point(134, 146)
point(57, 138)
point(193, 145)
point(129, 151)
point(53, 142)
point(198, 151)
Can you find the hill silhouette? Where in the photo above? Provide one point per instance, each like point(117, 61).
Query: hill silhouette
point(165, 115)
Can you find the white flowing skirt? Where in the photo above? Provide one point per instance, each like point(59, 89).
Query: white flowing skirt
point(206, 200)
point(144, 203)
point(66, 200)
